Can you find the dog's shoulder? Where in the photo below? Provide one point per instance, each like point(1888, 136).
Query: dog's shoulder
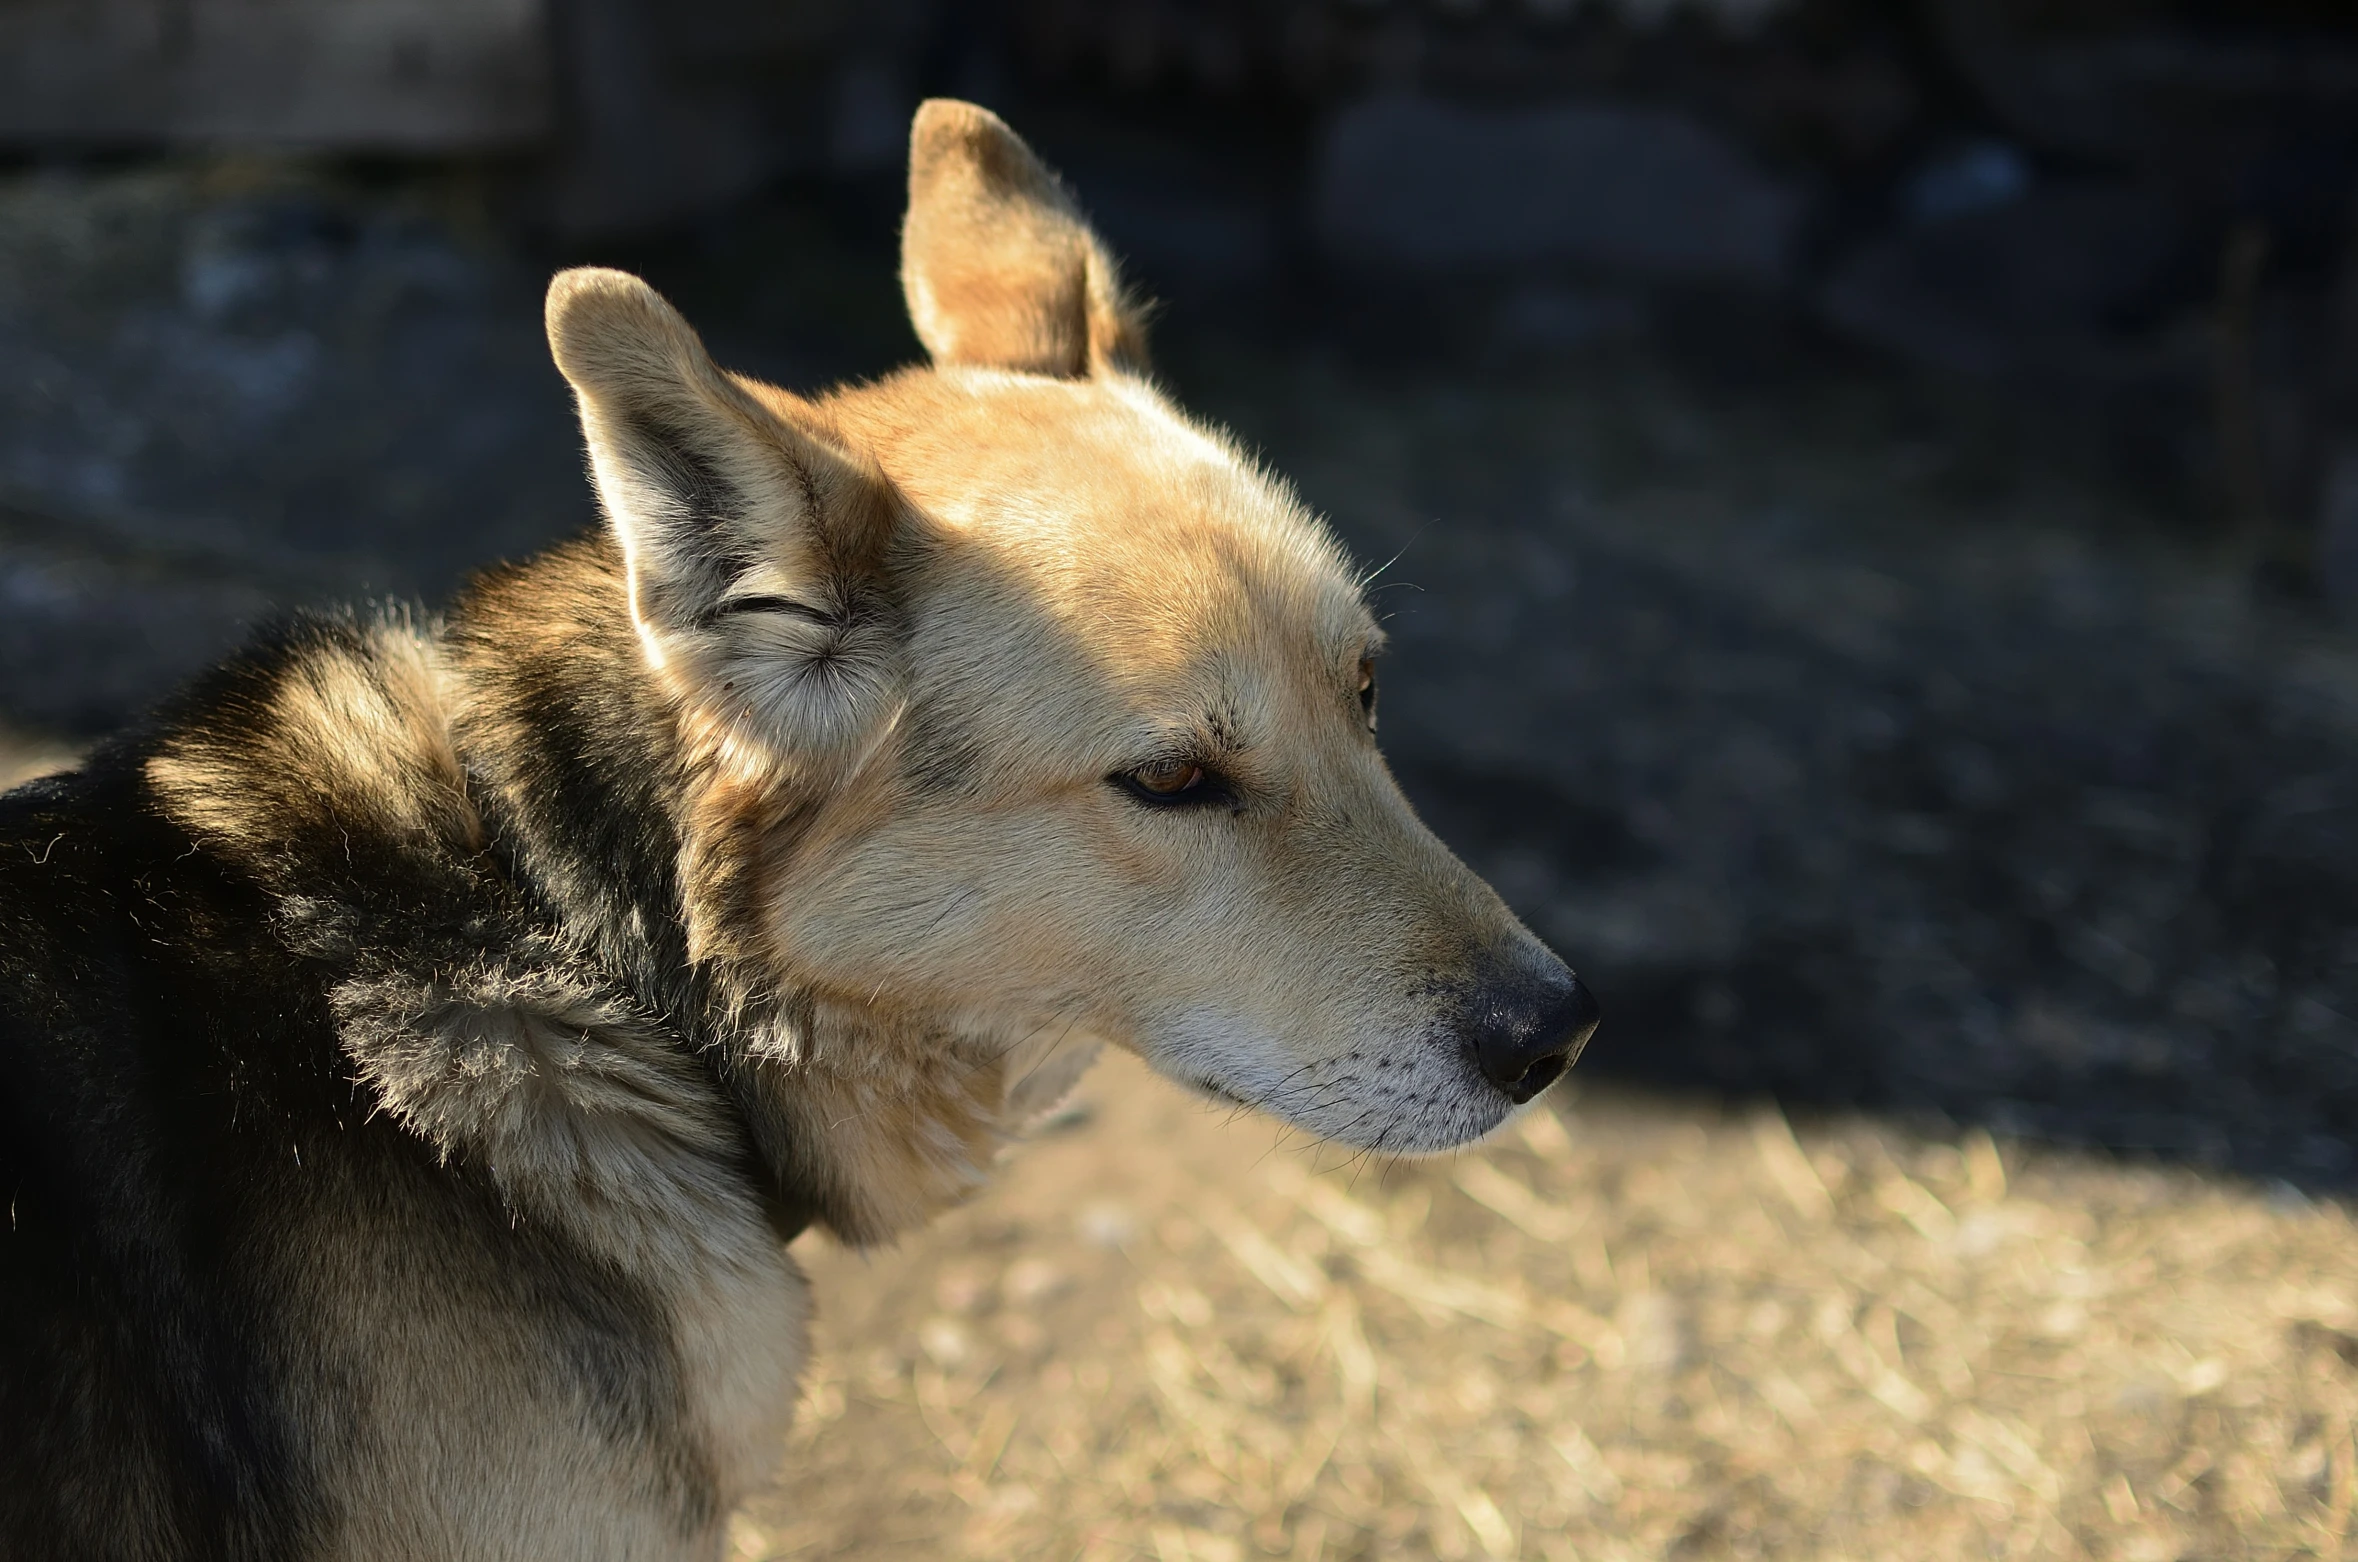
point(181, 910)
point(54, 832)
point(290, 846)
point(323, 750)
point(292, 1056)
point(307, 778)
point(322, 765)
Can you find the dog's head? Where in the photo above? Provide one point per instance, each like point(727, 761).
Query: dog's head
point(1028, 707)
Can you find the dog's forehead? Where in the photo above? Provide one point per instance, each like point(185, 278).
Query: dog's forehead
point(1099, 503)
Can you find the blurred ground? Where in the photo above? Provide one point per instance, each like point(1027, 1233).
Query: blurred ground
point(1642, 1328)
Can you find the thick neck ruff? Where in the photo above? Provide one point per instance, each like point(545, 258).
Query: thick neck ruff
point(481, 840)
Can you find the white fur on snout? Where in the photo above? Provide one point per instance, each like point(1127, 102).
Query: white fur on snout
point(1405, 1096)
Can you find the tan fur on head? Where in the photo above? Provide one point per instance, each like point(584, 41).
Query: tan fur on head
point(999, 270)
point(918, 640)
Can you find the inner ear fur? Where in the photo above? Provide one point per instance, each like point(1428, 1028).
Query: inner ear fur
point(711, 482)
point(997, 266)
point(703, 475)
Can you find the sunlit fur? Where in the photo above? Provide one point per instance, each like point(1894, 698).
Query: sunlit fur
point(433, 1030)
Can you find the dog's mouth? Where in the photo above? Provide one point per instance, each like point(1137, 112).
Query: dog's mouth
point(1414, 1094)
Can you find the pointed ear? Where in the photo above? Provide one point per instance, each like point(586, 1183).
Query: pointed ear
point(996, 264)
point(752, 540)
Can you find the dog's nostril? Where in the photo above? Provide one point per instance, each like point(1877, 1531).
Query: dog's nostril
point(1538, 1077)
point(1524, 1046)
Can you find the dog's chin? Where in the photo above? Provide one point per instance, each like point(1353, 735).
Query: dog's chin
point(1212, 1090)
point(1482, 1110)
point(1433, 1129)
point(1414, 1102)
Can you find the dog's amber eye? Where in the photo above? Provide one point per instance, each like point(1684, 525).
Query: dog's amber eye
point(1170, 778)
point(1175, 783)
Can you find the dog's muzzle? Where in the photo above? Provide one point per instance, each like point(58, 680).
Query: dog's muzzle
point(1527, 1029)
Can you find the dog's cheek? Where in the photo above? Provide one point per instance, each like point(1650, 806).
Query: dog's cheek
point(929, 896)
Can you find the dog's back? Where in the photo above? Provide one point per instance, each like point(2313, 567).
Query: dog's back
point(245, 1312)
point(137, 1157)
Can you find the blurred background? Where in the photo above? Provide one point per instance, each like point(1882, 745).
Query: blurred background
point(1866, 494)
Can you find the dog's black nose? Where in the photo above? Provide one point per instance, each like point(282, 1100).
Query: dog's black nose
point(1525, 1037)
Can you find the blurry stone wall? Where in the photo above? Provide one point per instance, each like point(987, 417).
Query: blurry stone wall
point(2139, 211)
point(417, 75)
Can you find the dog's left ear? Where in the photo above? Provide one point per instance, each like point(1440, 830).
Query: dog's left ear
point(753, 541)
point(998, 268)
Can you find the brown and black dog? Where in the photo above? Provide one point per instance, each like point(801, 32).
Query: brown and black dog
point(422, 1037)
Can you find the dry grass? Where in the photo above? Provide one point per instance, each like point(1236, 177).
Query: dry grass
point(1638, 1329)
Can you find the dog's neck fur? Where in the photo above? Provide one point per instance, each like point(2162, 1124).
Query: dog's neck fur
point(653, 857)
point(579, 892)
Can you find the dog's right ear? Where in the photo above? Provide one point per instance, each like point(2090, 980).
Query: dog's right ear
point(751, 540)
point(997, 267)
